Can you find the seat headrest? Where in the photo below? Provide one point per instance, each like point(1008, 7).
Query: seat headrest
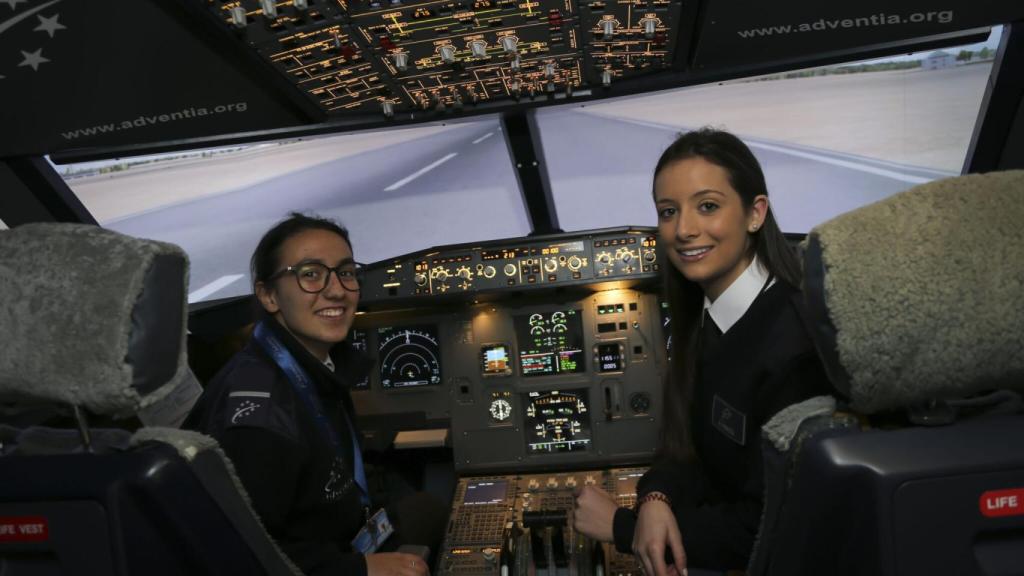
point(920, 296)
point(90, 317)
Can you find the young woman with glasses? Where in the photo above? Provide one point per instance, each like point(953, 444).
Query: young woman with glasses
point(281, 409)
point(739, 355)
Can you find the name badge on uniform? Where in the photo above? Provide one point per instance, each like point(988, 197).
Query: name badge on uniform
point(378, 528)
point(729, 421)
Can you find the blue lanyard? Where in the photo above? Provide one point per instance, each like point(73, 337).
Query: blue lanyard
point(304, 388)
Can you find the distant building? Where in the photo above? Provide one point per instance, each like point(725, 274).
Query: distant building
point(937, 60)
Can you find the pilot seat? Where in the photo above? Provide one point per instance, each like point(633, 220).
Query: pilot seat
point(916, 465)
point(94, 330)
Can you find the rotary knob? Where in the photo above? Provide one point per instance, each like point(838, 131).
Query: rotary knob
point(606, 77)
point(604, 258)
point(626, 256)
point(488, 554)
point(549, 70)
point(420, 279)
point(300, 4)
point(574, 263)
point(441, 275)
point(489, 272)
point(650, 256)
point(464, 273)
point(550, 265)
point(510, 269)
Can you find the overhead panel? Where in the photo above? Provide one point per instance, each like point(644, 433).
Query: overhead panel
point(394, 56)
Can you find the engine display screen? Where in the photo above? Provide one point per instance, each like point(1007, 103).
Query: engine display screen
point(494, 360)
point(409, 356)
point(550, 343)
point(556, 421)
point(485, 492)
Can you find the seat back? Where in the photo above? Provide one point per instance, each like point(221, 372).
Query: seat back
point(94, 327)
point(916, 466)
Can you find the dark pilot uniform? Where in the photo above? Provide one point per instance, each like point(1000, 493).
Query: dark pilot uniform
point(762, 363)
point(302, 491)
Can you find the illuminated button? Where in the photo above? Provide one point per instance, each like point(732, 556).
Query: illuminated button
point(574, 263)
point(650, 26)
point(478, 48)
point(608, 28)
point(401, 60)
point(238, 16)
point(269, 8)
point(509, 44)
point(606, 77)
point(447, 53)
point(510, 269)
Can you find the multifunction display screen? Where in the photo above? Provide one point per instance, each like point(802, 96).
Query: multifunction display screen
point(556, 421)
point(485, 492)
point(550, 343)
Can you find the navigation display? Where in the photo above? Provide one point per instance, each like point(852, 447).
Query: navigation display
point(550, 343)
point(409, 356)
point(556, 421)
point(485, 492)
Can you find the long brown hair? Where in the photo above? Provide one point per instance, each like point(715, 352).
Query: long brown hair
point(686, 298)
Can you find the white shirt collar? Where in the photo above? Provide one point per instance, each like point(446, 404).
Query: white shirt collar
point(732, 304)
point(329, 363)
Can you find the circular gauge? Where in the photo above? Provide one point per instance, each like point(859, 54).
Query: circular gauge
point(640, 402)
point(408, 356)
point(500, 409)
point(535, 330)
point(558, 420)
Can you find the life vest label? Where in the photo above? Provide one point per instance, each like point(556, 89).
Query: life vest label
point(996, 503)
point(24, 529)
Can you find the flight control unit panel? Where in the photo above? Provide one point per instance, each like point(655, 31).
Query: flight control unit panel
point(541, 361)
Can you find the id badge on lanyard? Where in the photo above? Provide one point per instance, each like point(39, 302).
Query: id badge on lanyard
point(377, 529)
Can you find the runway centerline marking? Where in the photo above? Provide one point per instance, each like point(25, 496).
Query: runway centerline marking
point(212, 287)
point(844, 163)
point(420, 172)
point(482, 138)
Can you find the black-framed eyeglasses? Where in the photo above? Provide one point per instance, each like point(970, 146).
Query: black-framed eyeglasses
point(313, 277)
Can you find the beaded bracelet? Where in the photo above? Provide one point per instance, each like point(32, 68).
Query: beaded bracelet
point(651, 497)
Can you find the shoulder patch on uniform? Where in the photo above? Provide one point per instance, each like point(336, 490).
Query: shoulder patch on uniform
point(248, 408)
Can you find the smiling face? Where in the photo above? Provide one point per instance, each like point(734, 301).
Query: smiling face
point(318, 321)
point(703, 224)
